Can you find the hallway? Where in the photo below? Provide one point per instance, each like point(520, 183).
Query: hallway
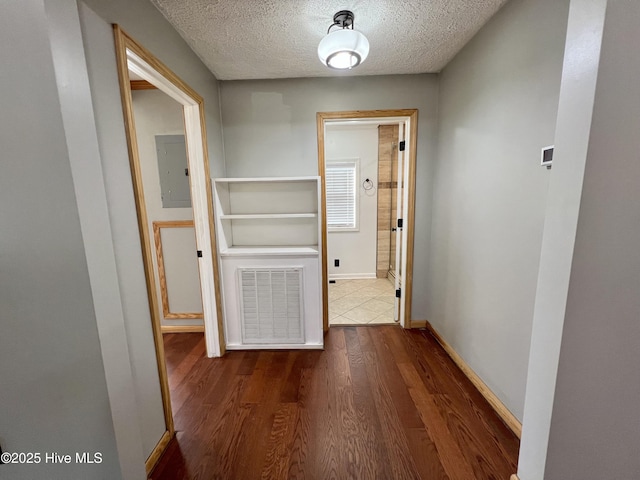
point(378, 403)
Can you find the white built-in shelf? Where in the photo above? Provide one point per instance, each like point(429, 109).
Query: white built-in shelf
point(272, 180)
point(269, 228)
point(276, 211)
point(300, 251)
point(266, 216)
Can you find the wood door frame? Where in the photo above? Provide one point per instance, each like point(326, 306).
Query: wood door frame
point(411, 116)
point(158, 225)
point(131, 55)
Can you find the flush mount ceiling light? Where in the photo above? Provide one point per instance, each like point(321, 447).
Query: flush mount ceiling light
point(345, 48)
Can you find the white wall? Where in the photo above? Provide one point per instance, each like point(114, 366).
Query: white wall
point(593, 429)
point(575, 110)
point(498, 105)
point(158, 114)
point(141, 20)
point(155, 34)
point(57, 392)
point(356, 250)
point(270, 130)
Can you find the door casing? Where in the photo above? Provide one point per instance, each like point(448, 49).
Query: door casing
point(410, 118)
point(130, 55)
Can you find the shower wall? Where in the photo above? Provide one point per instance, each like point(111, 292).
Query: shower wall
point(387, 167)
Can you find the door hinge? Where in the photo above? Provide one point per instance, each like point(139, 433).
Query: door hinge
point(400, 222)
point(186, 172)
point(402, 146)
point(398, 293)
point(199, 253)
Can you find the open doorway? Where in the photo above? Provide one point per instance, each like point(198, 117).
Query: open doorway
point(392, 221)
point(361, 171)
point(165, 176)
point(196, 232)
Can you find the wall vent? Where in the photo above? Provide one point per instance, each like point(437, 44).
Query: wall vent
point(271, 305)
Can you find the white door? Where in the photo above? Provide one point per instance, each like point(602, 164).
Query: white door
point(397, 228)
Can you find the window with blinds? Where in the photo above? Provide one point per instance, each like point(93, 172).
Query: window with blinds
point(342, 201)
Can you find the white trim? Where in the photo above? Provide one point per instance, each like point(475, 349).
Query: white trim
point(271, 251)
point(352, 276)
point(399, 213)
point(278, 346)
point(145, 71)
point(400, 279)
point(254, 216)
point(199, 201)
point(265, 179)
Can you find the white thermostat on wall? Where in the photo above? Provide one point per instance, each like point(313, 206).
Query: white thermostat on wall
point(547, 156)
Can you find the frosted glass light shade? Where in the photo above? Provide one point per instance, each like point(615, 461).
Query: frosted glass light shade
point(343, 49)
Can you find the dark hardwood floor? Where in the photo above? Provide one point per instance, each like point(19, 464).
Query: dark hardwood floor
point(377, 403)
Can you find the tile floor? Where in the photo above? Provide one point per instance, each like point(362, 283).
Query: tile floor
point(361, 302)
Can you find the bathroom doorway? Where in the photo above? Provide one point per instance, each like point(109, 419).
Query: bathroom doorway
point(359, 160)
point(365, 160)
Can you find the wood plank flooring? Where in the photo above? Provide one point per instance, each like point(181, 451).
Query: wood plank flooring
point(378, 403)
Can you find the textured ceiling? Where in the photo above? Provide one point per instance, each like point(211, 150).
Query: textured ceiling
point(255, 39)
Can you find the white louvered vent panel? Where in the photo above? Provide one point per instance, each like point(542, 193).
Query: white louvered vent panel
point(271, 302)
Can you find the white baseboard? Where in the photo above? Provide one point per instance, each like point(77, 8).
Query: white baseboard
point(351, 276)
point(279, 346)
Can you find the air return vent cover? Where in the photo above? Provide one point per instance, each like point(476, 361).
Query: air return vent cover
point(271, 305)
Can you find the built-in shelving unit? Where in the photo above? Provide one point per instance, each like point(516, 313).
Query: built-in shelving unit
point(267, 213)
point(258, 216)
point(269, 246)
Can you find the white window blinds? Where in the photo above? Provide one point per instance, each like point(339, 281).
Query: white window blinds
point(342, 206)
